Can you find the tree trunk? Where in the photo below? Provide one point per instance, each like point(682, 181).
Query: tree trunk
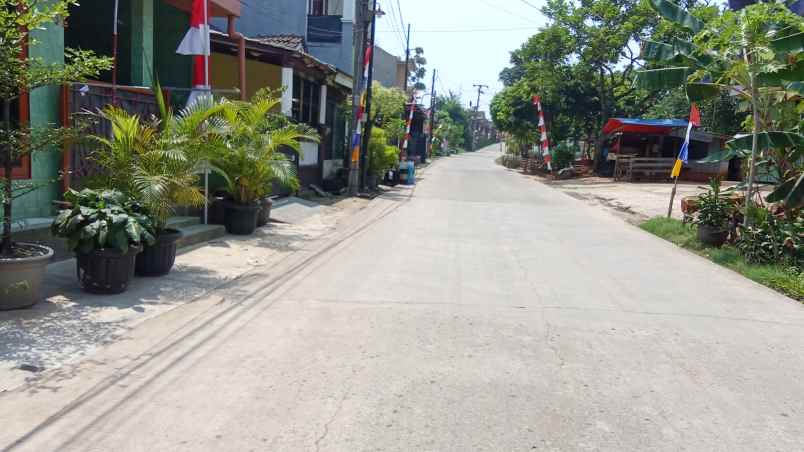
point(8, 165)
point(755, 142)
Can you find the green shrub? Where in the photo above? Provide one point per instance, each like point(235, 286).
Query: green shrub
point(382, 156)
point(771, 240)
point(563, 156)
point(713, 211)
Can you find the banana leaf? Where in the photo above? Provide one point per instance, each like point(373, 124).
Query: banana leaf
point(795, 87)
point(768, 140)
point(725, 154)
point(790, 191)
point(677, 52)
point(794, 73)
point(674, 13)
point(789, 44)
point(697, 92)
point(658, 79)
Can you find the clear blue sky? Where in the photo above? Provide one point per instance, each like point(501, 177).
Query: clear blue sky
point(462, 58)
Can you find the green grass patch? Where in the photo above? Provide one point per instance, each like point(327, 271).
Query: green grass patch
point(778, 277)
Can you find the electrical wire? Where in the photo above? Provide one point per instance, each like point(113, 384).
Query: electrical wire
point(473, 30)
point(505, 10)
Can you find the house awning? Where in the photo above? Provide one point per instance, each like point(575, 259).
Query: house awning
point(646, 126)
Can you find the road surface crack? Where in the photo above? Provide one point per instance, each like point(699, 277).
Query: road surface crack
point(331, 420)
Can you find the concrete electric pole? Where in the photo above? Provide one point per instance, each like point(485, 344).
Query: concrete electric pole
point(477, 112)
point(361, 12)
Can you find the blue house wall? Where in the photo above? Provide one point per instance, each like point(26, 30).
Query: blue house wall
point(289, 17)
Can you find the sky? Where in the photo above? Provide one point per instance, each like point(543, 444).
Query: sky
point(467, 41)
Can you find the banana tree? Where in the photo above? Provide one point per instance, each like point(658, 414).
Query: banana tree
point(754, 54)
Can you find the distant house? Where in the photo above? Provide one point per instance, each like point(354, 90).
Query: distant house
point(325, 27)
point(313, 93)
point(655, 143)
point(389, 69)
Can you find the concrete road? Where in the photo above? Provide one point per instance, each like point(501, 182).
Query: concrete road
point(484, 312)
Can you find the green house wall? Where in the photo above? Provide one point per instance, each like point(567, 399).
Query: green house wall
point(149, 33)
point(44, 112)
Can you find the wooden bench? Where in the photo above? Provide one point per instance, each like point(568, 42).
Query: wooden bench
point(622, 166)
point(641, 168)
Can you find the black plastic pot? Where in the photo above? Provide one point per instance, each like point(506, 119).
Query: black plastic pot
point(372, 182)
point(107, 271)
point(158, 259)
point(21, 278)
point(216, 211)
point(712, 236)
point(241, 219)
point(265, 212)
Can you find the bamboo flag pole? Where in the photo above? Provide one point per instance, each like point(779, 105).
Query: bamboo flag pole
point(683, 155)
point(114, 53)
point(672, 198)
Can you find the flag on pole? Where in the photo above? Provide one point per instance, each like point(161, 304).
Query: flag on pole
point(196, 42)
point(683, 155)
point(544, 140)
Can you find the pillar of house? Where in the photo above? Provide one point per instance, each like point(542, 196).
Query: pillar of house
point(287, 94)
point(142, 42)
point(322, 113)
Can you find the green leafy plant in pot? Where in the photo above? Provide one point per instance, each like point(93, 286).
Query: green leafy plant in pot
point(158, 164)
point(713, 216)
point(253, 159)
point(22, 265)
point(106, 229)
point(382, 156)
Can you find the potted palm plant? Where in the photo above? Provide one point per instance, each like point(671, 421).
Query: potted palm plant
point(158, 164)
point(713, 216)
point(106, 229)
point(22, 265)
point(253, 159)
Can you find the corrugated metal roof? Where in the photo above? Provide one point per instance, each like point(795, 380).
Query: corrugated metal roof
point(290, 42)
point(642, 125)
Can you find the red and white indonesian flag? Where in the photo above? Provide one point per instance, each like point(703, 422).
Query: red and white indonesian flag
point(196, 42)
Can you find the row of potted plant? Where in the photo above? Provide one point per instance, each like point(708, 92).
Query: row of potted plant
point(153, 166)
point(118, 228)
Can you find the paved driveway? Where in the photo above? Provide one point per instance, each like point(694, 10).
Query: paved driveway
point(485, 312)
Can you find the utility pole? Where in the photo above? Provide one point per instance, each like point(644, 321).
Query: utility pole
point(432, 109)
point(477, 111)
point(369, 91)
point(407, 60)
point(357, 85)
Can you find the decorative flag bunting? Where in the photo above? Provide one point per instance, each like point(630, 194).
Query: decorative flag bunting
point(683, 155)
point(361, 110)
point(545, 141)
point(196, 42)
point(408, 126)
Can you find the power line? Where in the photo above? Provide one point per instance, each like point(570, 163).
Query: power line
point(500, 8)
point(530, 4)
point(473, 30)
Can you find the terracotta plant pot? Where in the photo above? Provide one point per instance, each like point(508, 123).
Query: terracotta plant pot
point(241, 219)
point(107, 271)
point(158, 259)
point(21, 278)
point(712, 236)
